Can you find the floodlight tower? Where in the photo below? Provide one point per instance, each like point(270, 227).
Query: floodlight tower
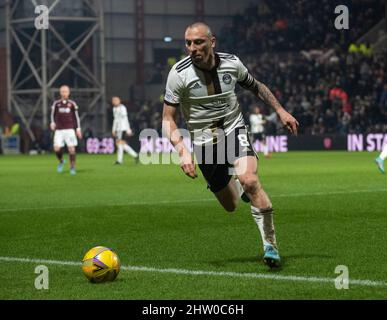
point(39, 60)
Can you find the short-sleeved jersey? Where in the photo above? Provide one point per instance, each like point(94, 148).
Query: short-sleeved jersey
point(120, 122)
point(207, 98)
point(64, 113)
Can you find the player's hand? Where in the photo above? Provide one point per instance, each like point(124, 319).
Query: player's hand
point(52, 126)
point(288, 121)
point(114, 134)
point(79, 133)
point(187, 164)
point(129, 133)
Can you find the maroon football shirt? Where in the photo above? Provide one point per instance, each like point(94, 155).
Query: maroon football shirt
point(64, 113)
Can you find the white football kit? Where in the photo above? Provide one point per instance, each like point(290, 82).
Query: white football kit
point(256, 123)
point(208, 98)
point(209, 103)
point(65, 136)
point(257, 129)
point(121, 121)
point(121, 125)
point(64, 114)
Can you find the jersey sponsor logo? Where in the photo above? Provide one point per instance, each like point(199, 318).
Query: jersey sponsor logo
point(227, 78)
point(220, 102)
point(64, 110)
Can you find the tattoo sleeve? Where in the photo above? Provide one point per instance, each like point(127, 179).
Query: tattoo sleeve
point(261, 91)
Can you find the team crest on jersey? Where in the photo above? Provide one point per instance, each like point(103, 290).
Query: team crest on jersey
point(227, 78)
point(69, 105)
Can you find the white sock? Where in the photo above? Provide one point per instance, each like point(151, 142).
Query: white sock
point(383, 155)
point(264, 220)
point(130, 151)
point(120, 153)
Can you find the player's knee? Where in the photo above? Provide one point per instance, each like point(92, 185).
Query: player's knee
point(250, 184)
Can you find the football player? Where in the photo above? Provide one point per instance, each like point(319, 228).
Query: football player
point(67, 126)
point(121, 127)
point(203, 86)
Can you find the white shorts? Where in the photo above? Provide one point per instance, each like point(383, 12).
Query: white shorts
point(67, 137)
point(120, 135)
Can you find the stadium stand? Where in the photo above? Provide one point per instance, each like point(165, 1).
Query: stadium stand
point(331, 83)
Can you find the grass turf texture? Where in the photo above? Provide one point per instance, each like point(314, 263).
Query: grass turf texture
point(330, 210)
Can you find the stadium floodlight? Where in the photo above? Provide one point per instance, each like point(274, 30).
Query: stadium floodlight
point(168, 39)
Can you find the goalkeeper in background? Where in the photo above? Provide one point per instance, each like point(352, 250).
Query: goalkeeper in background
point(121, 127)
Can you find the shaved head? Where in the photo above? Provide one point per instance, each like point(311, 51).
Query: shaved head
point(203, 26)
point(64, 92)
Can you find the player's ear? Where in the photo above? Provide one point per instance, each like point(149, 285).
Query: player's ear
point(213, 42)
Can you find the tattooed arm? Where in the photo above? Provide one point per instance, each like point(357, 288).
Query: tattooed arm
point(263, 92)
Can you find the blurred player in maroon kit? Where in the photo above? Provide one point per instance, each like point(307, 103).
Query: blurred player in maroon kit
point(66, 124)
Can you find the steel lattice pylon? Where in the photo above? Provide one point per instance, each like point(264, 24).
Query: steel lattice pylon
point(71, 51)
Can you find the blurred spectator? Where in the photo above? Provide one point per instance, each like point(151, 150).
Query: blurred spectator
point(324, 97)
point(331, 83)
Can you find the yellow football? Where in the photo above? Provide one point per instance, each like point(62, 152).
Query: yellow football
point(101, 264)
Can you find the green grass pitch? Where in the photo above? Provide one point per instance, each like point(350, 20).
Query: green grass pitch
point(331, 209)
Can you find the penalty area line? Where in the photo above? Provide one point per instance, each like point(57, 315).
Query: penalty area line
point(231, 274)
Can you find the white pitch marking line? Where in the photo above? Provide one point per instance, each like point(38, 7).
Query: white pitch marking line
point(327, 193)
point(283, 195)
point(367, 283)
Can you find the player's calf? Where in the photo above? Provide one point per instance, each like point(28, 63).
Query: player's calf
point(228, 197)
point(59, 153)
point(120, 151)
point(249, 184)
point(264, 220)
point(255, 192)
point(228, 203)
point(262, 212)
point(72, 157)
